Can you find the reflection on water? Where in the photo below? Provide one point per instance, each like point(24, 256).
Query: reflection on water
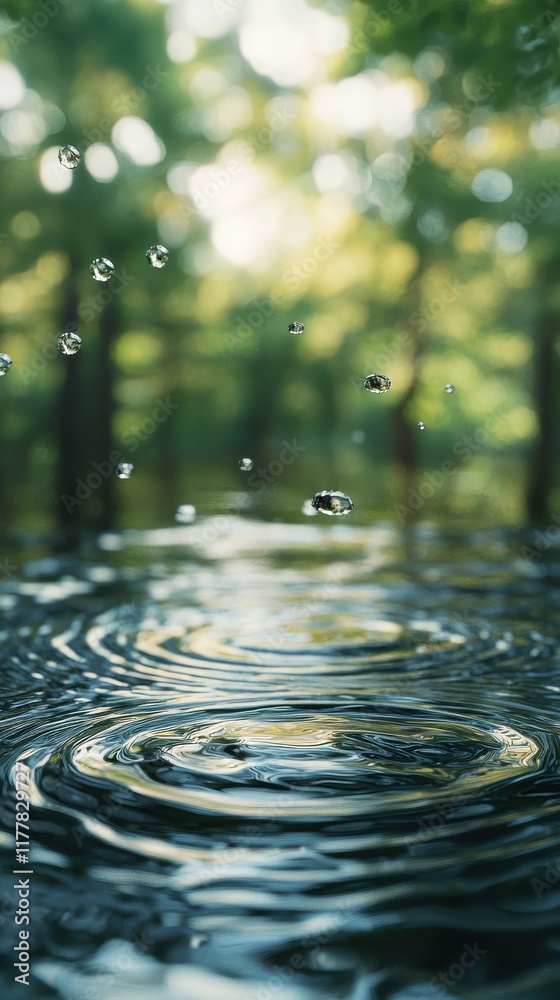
point(289, 762)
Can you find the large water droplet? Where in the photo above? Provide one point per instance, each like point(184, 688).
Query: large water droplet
point(157, 256)
point(377, 383)
point(296, 328)
point(5, 363)
point(246, 464)
point(185, 514)
point(124, 470)
point(69, 343)
point(449, 388)
point(69, 156)
point(332, 502)
point(102, 268)
point(421, 425)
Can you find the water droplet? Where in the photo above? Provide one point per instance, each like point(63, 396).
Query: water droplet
point(124, 470)
point(332, 502)
point(377, 383)
point(246, 464)
point(157, 256)
point(308, 509)
point(69, 156)
point(421, 425)
point(185, 514)
point(102, 268)
point(69, 343)
point(358, 437)
point(296, 328)
point(449, 388)
point(5, 363)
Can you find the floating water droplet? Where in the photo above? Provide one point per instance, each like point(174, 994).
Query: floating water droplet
point(246, 464)
point(296, 328)
point(185, 514)
point(102, 268)
point(124, 470)
point(421, 425)
point(358, 437)
point(308, 509)
point(157, 256)
point(5, 363)
point(69, 343)
point(377, 383)
point(332, 502)
point(69, 156)
point(449, 388)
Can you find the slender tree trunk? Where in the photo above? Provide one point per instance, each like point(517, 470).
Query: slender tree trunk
point(68, 426)
point(541, 475)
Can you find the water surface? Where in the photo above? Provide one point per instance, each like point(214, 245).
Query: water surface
point(286, 761)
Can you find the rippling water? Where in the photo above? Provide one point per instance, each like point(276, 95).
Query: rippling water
point(286, 761)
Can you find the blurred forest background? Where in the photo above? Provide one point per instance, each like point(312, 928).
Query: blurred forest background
point(386, 173)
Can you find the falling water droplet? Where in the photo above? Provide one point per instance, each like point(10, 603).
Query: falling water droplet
point(246, 464)
point(69, 343)
point(185, 514)
point(69, 156)
point(5, 363)
point(377, 383)
point(308, 509)
point(102, 268)
point(296, 328)
point(157, 256)
point(332, 502)
point(124, 470)
point(421, 425)
point(449, 388)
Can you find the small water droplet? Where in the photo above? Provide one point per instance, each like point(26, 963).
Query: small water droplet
point(69, 343)
point(308, 509)
point(69, 156)
point(185, 514)
point(102, 268)
point(246, 464)
point(296, 328)
point(421, 425)
point(5, 363)
point(332, 502)
point(157, 256)
point(449, 388)
point(377, 383)
point(124, 470)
